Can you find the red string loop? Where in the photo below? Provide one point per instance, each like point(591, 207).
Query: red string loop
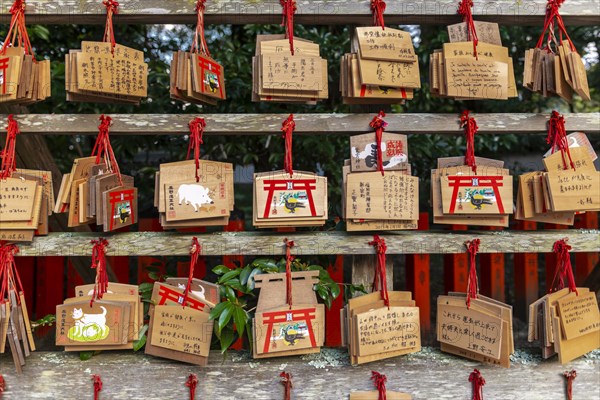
point(287, 127)
point(97, 386)
point(2, 385)
point(557, 138)
point(472, 282)
point(99, 264)
point(464, 9)
point(286, 381)
point(103, 149)
point(8, 155)
point(378, 8)
point(564, 269)
point(288, 270)
point(19, 36)
point(9, 275)
point(379, 380)
point(192, 382)
point(469, 124)
point(380, 279)
point(195, 251)
point(112, 7)
point(379, 125)
point(478, 382)
point(553, 18)
point(199, 44)
point(196, 126)
point(289, 9)
point(570, 375)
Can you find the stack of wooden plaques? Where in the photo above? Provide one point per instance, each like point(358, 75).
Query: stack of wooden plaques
point(182, 333)
point(455, 71)
point(101, 73)
point(26, 202)
point(556, 194)
point(373, 200)
point(91, 193)
point(185, 202)
point(460, 195)
point(283, 200)
point(382, 67)
point(482, 332)
point(112, 322)
point(197, 78)
point(15, 327)
point(281, 329)
point(279, 76)
point(372, 331)
point(565, 322)
point(24, 79)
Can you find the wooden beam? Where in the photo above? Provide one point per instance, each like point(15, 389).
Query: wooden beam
point(308, 243)
point(310, 12)
point(313, 124)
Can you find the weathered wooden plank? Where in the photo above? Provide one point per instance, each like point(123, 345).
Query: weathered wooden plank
point(313, 12)
point(314, 124)
point(429, 374)
point(309, 243)
point(363, 271)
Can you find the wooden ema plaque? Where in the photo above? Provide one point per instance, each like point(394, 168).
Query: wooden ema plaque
point(204, 291)
point(120, 208)
point(194, 200)
point(280, 329)
point(363, 152)
point(481, 194)
point(164, 294)
point(376, 43)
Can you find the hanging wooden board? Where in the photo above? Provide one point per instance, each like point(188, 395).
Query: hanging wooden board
point(363, 152)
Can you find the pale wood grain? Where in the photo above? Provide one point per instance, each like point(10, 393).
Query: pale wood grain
point(312, 124)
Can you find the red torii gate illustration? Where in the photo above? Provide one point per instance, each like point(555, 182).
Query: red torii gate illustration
point(457, 182)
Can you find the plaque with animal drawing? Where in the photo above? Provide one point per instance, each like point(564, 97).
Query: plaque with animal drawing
point(477, 194)
point(207, 199)
point(79, 324)
point(363, 152)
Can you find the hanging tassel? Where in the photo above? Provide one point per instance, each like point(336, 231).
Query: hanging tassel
point(380, 279)
point(286, 381)
point(199, 44)
point(99, 264)
point(380, 380)
point(288, 270)
point(191, 382)
point(472, 282)
point(196, 126)
point(470, 126)
point(378, 8)
point(564, 268)
point(194, 254)
point(379, 125)
point(103, 149)
point(287, 127)
point(2, 385)
point(8, 155)
point(289, 9)
point(478, 382)
point(557, 138)
point(97, 386)
point(112, 7)
point(464, 9)
point(570, 375)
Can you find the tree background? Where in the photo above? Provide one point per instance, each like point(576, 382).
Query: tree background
point(233, 46)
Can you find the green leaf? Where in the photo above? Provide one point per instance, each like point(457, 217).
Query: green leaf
point(154, 276)
point(86, 355)
point(251, 283)
point(227, 338)
point(230, 294)
point(245, 274)
point(265, 264)
point(225, 316)
point(138, 344)
point(235, 284)
point(215, 313)
point(334, 288)
point(229, 275)
point(221, 269)
point(146, 287)
point(239, 319)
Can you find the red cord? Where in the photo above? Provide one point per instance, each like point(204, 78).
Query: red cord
point(379, 380)
point(8, 155)
point(464, 9)
point(99, 264)
point(380, 279)
point(379, 125)
point(192, 382)
point(112, 7)
point(470, 126)
point(97, 386)
point(287, 127)
point(288, 270)
point(286, 381)
point(103, 149)
point(199, 42)
point(289, 9)
point(194, 254)
point(570, 375)
point(478, 382)
point(472, 283)
point(564, 269)
point(196, 126)
point(378, 8)
point(557, 138)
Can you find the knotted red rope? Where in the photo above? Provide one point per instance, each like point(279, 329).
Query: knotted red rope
point(103, 149)
point(380, 280)
point(8, 155)
point(288, 270)
point(99, 264)
point(19, 36)
point(379, 380)
point(191, 382)
point(2, 385)
point(379, 125)
point(286, 381)
point(287, 127)
point(464, 9)
point(570, 375)
point(97, 386)
point(553, 17)
point(472, 283)
point(112, 7)
point(9, 276)
point(194, 254)
point(469, 124)
point(199, 42)
point(289, 9)
point(196, 126)
point(378, 8)
point(564, 269)
point(557, 138)
point(478, 382)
